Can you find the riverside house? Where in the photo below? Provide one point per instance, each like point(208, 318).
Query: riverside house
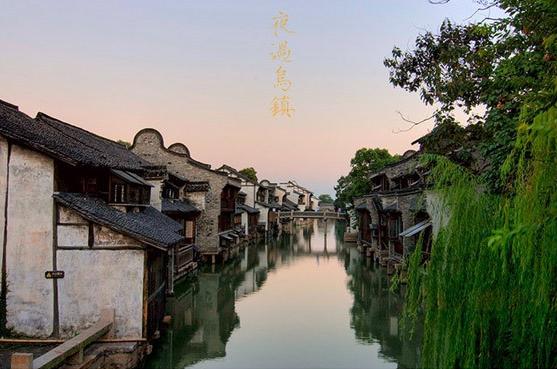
point(182, 201)
point(264, 197)
point(78, 231)
point(392, 217)
point(298, 195)
point(215, 235)
point(247, 218)
point(249, 204)
point(275, 197)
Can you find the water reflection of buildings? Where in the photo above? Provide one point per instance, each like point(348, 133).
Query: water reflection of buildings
point(203, 311)
point(203, 318)
point(376, 312)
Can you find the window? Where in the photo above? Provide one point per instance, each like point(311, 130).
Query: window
point(119, 193)
point(190, 231)
point(395, 227)
point(169, 193)
point(134, 194)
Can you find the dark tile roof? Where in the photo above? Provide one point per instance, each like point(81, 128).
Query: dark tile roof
point(264, 204)
point(248, 209)
point(289, 205)
point(130, 177)
point(362, 206)
point(275, 205)
point(149, 225)
point(178, 206)
point(65, 142)
point(197, 186)
point(236, 172)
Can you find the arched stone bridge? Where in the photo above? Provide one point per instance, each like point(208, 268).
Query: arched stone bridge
point(326, 215)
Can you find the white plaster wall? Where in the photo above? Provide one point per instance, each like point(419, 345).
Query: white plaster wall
point(106, 237)
point(95, 279)
point(156, 193)
point(3, 178)
point(245, 222)
point(279, 193)
point(29, 243)
point(251, 191)
point(293, 197)
point(66, 215)
point(263, 215)
point(73, 235)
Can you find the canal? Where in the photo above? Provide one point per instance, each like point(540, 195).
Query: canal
point(304, 301)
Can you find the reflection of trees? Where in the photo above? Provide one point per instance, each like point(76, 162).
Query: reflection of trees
point(204, 316)
point(376, 312)
point(203, 309)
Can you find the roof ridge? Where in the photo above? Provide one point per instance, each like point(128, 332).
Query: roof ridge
point(40, 115)
point(9, 105)
point(239, 174)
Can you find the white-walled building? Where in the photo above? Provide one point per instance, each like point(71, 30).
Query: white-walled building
point(77, 231)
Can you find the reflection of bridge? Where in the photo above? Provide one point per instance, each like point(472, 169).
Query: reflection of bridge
point(326, 215)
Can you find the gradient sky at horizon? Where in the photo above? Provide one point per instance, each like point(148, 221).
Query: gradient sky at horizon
point(200, 72)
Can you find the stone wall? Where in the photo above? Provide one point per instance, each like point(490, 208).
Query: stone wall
point(405, 166)
point(407, 203)
point(149, 144)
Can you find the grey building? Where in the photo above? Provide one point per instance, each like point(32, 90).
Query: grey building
point(218, 205)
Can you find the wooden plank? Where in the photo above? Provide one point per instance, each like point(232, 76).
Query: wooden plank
point(76, 345)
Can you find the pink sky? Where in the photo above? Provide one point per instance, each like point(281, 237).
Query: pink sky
point(201, 73)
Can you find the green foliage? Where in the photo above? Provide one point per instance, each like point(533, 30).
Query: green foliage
point(365, 162)
point(126, 144)
point(489, 291)
point(326, 199)
point(499, 65)
point(250, 172)
point(488, 294)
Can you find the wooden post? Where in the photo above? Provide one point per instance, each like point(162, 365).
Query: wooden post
point(21, 361)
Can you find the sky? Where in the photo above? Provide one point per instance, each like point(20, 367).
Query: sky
point(201, 73)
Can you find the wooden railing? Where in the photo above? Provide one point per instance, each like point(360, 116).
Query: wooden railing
point(71, 350)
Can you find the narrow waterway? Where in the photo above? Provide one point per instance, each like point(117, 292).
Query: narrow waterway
point(305, 301)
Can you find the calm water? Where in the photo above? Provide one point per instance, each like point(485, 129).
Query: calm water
point(306, 301)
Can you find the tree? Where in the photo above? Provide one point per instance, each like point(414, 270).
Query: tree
point(250, 173)
point(500, 65)
point(326, 199)
point(509, 310)
point(356, 183)
point(124, 143)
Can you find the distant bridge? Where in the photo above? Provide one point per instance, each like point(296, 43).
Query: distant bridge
point(325, 215)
